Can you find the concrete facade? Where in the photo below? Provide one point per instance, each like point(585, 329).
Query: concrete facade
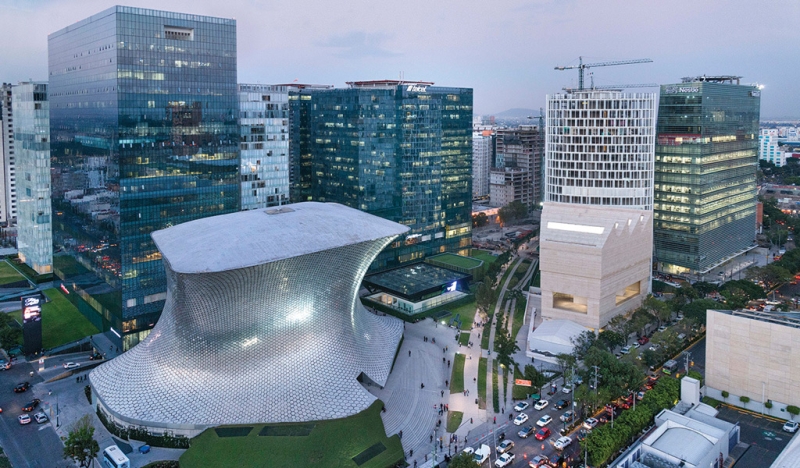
point(753, 354)
point(595, 261)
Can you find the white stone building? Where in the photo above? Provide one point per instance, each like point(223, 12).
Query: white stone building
point(769, 148)
point(481, 163)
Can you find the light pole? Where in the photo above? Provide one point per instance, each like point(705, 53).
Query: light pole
point(763, 396)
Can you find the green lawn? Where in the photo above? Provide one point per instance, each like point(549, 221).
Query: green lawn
point(456, 260)
point(457, 377)
point(332, 443)
point(61, 321)
point(454, 419)
point(463, 338)
point(8, 274)
point(519, 316)
point(466, 312)
point(484, 255)
point(495, 393)
point(482, 365)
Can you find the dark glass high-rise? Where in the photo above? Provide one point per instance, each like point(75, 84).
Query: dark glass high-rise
point(144, 136)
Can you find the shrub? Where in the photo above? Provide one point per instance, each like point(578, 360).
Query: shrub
point(725, 395)
point(87, 390)
point(768, 404)
point(793, 410)
point(745, 400)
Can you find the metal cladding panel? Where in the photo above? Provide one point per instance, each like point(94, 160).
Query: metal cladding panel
point(283, 341)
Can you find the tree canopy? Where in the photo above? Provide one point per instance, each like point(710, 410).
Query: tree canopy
point(513, 211)
point(80, 444)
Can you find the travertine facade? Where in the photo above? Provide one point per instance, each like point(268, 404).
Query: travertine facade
point(753, 354)
point(262, 323)
point(595, 261)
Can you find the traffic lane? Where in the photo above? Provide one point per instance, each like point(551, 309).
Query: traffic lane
point(52, 366)
point(526, 449)
point(698, 352)
point(15, 438)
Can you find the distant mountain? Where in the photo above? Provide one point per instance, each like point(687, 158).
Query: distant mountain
point(517, 112)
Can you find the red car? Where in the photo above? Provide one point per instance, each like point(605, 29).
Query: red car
point(542, 433)
point(643, 340)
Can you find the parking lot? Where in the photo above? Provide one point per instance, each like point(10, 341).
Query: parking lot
point(761, 439)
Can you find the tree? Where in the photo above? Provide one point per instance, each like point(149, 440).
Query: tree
point(687, 292)
point(512, 211)
point(793, 410)
point(696, 311)
point(771, 275)
point(583, 343)
point(725, 396)
point(703, 288)
point(538, 380)
point(80, 444)
point(745, 400)
point(565, 362)
point(480, 220)
point(10, 336)
point(485, 295)
point(611, 339)
point(658, 309)
point(505, 346)
point(462, 460)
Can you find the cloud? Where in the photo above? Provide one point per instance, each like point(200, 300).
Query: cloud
point(359, 44)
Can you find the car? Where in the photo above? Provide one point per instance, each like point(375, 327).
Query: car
point(40, 417)
point(504, 460)
point(23, 387)
point(582, 435)
point(636, 345)
point(541, 404)
point(626, 349)
point(662, 328)
point(30, 406)
point(562, 443)
point(567, 389)
point(654, 347)
point(682, 336)
point(520, 419)
point(679, 317)
point(95, 357)
point(640, 395)
point(791, 426)
point(590, 423)
point(521, 406)
point(643, 340)
point(561, 404)
point(5, 365)
point(24, 419)
point(542, 433)
point(568, 416)
point(71, 365)
point(468, 450)
point(525, 432)
point(578, 380)
point(539, 460)
point(504, 446)
point(544, 420)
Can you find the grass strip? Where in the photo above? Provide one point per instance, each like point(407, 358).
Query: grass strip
point(369, 453)
point(495, 392)
point(454, 419)
point(519, 316)
point(9, 275)
point(482, 366)
point(457, 377)
point(463, 339)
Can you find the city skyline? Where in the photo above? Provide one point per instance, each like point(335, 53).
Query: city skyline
point(506, 54)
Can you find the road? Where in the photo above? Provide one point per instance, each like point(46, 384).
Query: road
point(32, 445)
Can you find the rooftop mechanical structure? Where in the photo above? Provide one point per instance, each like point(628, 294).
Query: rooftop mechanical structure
point(262, 323)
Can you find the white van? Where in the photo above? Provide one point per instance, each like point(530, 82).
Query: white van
point(481, 454)
point(114, 458)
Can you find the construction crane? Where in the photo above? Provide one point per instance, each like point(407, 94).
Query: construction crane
point(582, 66)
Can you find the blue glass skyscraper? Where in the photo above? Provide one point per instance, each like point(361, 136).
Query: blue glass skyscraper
point(144, 131)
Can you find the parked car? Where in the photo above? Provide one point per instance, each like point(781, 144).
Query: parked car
point(582, 435)
point(525, 432)
point(562, 443)
point(654, 347)
point(521, 406)
point(539, 460)
point(662, 328)
point(40, 417)
point(542, 433)
point(504, 446)
point(561, 404)
point(567, 389)
point(626, 349)
point(791, 426)
point(4, 365)
point(643, 340)
point(590, 423)
point(71, 365)
point(544, 420)
point(504, 460)
point(541, 404)
point(23, 387)
point(24, 419)
point(567, 417)
point(30, 406)
point(520, 419)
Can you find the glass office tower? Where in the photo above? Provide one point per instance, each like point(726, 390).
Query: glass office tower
point(705, 173)
point(32, 139)
point(143, 115)
point(398, 150)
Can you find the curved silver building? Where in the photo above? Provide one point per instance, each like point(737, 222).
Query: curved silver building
point(262, 323)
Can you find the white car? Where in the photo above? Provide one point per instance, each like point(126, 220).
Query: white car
point(567, 388)
point(40, 417)
point(662, 328)
point(71, 365)
point(504, 460)
point(791, 426)
point(504, 446)
point(541, 404)
point(469, 450)
point(520, 419)
point(544, 420)
point(24, 419)
point(590, 423)
point(626, 349)
point(654, 347)
point(521, 406)
point(562, 443)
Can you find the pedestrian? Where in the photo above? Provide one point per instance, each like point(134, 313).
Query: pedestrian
point(444, 350)
point(503, 410)
point(444, 360)
point(447, 348)
point(400, 434)
point(77, 379)
point(442, 393)
point(411, 453)
point(409, 353)
point(431, 437)
point(446, 383)
point(448, 363)
point(422, 385)
point(495, 420)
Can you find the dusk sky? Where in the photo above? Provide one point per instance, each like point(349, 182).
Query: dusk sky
point(505, 50)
